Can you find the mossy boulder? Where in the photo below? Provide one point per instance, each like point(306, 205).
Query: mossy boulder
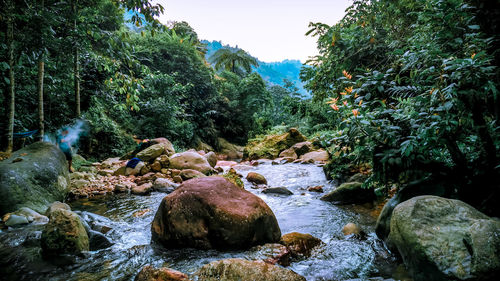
point(272, 146)
point(350, 193)
point(445, 239)
point(33, 177)
point(245, 270)
point(230, 150)
point(64, 234)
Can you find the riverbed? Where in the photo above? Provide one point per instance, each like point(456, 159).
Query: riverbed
point(129, 216)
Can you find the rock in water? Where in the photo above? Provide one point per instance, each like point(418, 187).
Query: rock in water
point(350, 193)
point(256, 178)
point(212, 212)
point(149, 273)
point(244, 270)
point(445, 239)
point(40, 179)
point(300, 244)
point(190, 160)
point(64, 234)
point(277, 190)
point(271, 146)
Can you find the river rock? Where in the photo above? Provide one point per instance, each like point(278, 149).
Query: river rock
point(245, 270)
point(121, 188)
point(64, 234)
point(30, 215)
point(302, 148)
point(41, 178)
point(300, 244)
point(190, 160)
point(277, 190)
point(143, 189)
point(445, 239)
point(256, 178)
point(188, 174)
point(149, 273)
point(98, 241)
point(211, 158)
point(317, 188)
point(359, 177)
point(320, 155)
point(57, 206)
point(212, 212)
point(156, 166)
point(164, 185)
point(289, 153)
point(14, 220)
point(150, 153)
point(272, 253)
point(271, 146)
point(231, 151)
point(350, 193)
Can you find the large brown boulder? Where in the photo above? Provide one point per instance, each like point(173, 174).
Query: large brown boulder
point(319, 155)
point(190, 160)
point(271, 146)
point(212, 212)
point(64, 234)
point(33, 177)
point(445, 239)
point(256, 178)
point(245, 270)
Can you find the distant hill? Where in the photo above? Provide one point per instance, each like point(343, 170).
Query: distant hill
point(272, 72)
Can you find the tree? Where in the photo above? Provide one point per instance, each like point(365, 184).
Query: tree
point(237, 61)
point(10, 55)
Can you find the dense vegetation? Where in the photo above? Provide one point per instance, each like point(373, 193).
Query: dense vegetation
point(148, 79)
point(405, 89)
point(413, 92)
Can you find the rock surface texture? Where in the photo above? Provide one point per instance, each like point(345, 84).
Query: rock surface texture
point(445, 239)
point(212, 212)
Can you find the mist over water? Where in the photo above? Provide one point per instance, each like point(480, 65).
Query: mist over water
point(75, 130)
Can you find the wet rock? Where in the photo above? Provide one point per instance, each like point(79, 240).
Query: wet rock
point(149, 273)
point(190, 160)
point(445, 239)
point(300, 244)
point(212, 212)
point(272, 253)
point(354, 230)
point(188, 174)
point(277, 190)
point(98, 241)
point(211, 158)
point(39, 180)
point(289, 153)
point(256, 178)
point(318, 188)
point(15, 220)
point(271, 146)
point(302, 147)
point(143, 189)
point(30, 215)
point(57, 206)
point(177, 179)
point(350, 193)
point(244, 270)
point(64, 234)
point(320, 155)
point(164, 185)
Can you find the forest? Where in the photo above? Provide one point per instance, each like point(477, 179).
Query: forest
point(404, 93)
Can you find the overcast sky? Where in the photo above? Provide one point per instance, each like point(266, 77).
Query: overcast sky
point(271, 30)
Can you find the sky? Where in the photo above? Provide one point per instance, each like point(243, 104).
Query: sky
point(271, 30)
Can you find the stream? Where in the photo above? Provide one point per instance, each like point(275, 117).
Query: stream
point(340, 258)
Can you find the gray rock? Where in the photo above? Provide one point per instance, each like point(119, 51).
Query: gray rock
point(164, 185)
point(41, 178)
point(445, 239)
point(350, 193)
point(277, 190)
point(16, 220)
point(98, 241)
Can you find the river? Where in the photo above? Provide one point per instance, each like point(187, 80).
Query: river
point(340, 258)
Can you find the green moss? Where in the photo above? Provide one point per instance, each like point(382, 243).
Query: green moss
point(235, 179)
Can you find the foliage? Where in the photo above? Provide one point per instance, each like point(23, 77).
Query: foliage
point(412, 88)
point(237, 61)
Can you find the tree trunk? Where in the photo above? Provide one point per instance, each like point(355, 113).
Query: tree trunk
point(76, 66)
point(41, 72)
point(10, 46)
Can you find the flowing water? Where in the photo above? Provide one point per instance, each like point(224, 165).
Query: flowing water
point(340, 258)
